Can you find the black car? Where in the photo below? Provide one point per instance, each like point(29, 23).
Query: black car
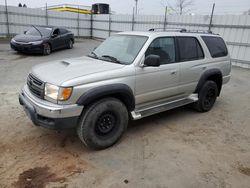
point(43, 40)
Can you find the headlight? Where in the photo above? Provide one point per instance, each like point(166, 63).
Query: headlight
point(57, 93)
point(36, 42)
point(13, 40)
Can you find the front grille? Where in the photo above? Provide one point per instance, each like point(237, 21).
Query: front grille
point(36, 86)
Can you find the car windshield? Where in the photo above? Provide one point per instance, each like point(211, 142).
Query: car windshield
point(45, 31)
point(120, 48)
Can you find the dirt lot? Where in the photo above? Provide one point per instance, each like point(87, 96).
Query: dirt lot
point(179, 148)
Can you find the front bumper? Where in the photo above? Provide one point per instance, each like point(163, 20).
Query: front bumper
point(49, 115)
point(27, 48)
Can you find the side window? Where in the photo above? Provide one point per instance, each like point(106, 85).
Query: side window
point(216, 46)
point(163, 47)
point(56, 32)
point(189, 49)
point(63, 31)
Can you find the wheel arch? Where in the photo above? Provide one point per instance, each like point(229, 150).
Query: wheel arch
point(119, 91)
point(213, 75)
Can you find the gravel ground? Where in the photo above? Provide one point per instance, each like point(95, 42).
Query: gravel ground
point(178, 148)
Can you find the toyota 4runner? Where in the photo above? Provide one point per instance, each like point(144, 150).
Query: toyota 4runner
point(131, 75)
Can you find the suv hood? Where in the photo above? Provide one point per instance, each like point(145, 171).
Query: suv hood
point(58, 72)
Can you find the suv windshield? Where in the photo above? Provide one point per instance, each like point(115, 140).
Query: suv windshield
point(120, 48)
point(45, 31)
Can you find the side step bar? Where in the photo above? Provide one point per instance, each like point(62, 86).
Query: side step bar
point(147, 111)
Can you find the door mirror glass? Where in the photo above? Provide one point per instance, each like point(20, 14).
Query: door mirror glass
point(152, 61)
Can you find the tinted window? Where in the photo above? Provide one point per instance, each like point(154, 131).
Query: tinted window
point(216, 46)
point(189, 49)
point(163, 47)
point(56, 32)
point(63, 31)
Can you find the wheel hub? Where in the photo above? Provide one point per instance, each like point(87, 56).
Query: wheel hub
point(210, 97)
point(105, 123)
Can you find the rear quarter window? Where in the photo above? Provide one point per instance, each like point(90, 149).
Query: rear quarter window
point(216, 46)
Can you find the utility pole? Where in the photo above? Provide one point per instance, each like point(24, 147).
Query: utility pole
point(7, 18)
point(46, 14)
point(136, 6)
point(165, 18)
point(211, 18)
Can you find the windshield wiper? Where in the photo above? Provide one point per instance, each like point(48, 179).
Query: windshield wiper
point(113, 59)
point(93, 54)
point(37, 30)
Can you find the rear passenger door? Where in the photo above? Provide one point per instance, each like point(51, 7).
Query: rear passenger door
point(154, 83)
point(191, 58)
point(64, 37)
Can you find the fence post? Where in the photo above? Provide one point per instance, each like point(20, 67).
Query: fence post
point(78, 23)
point(109, 23)
point(165, 18)
point(133, 19)
point(211, 18)
point(7, 19)
point(91, 24)
point(46, 14)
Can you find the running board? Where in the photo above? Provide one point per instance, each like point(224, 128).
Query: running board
point(138, 114)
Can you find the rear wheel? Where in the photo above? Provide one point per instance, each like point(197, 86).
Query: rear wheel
point(46, 49)
point(103, 123)
point(70, 44)
point(207, 97)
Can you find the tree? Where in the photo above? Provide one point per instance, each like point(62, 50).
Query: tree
point(247, 12)
point(180, 7)
point(20, 5)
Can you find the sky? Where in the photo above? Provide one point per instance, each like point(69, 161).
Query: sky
point(155, 7)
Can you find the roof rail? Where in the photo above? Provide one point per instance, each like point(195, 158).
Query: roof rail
point(168, 29)
point(183, 30)
point(199, 31)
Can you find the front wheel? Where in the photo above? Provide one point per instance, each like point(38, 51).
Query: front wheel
point(207, 97)
point(103, 123)
point(46, 49)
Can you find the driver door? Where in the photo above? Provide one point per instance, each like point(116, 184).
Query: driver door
point(158, 83)
point(56, 40)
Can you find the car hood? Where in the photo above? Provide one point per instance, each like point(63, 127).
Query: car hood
point(27, 38)
point(58, 72)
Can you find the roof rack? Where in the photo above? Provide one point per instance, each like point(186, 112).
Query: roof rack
point(168, 29)
point(182, 30)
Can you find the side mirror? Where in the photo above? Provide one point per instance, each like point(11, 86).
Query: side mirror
point(24, 32)
point(152, 61)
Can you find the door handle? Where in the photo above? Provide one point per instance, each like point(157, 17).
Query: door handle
point(173, 71)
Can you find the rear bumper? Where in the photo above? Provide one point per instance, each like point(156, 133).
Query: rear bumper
point(27, 48)
point(48, 116)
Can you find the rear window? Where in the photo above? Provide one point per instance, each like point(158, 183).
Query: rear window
point(216, 46)
point(189, 49)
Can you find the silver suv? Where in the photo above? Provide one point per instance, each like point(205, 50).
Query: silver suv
point(131, 75)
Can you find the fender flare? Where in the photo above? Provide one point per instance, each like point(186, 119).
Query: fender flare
point(120, 91)
point(211, 74)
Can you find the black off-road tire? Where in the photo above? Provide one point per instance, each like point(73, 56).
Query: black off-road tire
point(46, 49)
point(207, 97)
point(70, 44)
point(103, 123)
